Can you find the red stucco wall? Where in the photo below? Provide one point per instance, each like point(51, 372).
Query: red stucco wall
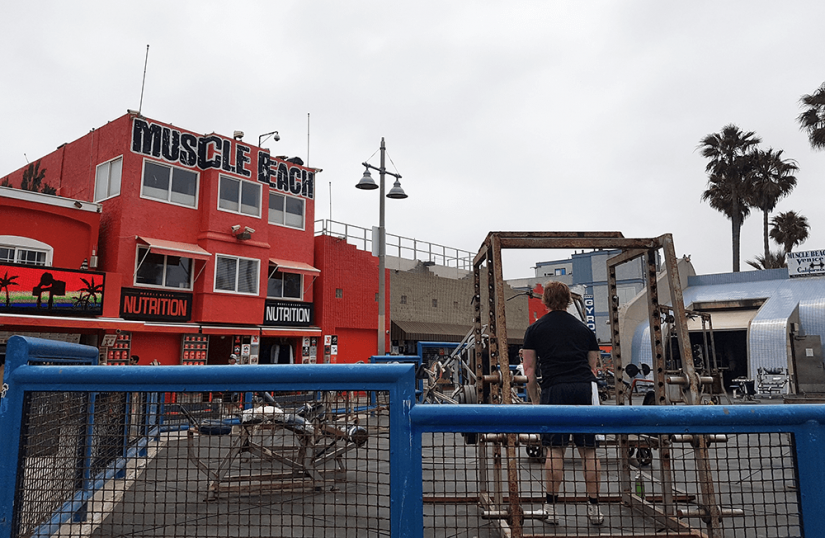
point(72, 167)
point(355, 273)
point(72, 233)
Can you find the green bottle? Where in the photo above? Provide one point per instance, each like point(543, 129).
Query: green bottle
point(639, 485)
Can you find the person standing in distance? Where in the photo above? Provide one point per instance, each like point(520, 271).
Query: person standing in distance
point(566, 353)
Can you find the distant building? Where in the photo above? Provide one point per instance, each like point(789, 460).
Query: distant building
point(586, 273)
point(761, 319)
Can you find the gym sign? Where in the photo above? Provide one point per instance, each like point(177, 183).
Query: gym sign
point(213, 151)
point(807, 263)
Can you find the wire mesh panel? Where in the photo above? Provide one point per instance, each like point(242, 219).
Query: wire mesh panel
point(258, 464)
point(664, 485)
point(50, 465)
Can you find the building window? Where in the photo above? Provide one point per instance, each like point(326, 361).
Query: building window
point(403, 299)
point(169, 184)
point(238, 196)
point(239, 275)
point(286, 210)
point(561, 271)
point(26, 256)
point(435, 303)
point(107, 179)
point(339, 293)
point(376, 297)
point(164, 271)
point(284, 285)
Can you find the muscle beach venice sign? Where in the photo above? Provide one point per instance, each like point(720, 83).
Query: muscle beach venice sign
point(213, 151)
point(807, 263)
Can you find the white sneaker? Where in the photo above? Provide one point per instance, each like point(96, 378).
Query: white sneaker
point(550, 515)
point(594, 514)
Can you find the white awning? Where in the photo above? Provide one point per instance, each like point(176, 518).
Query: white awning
point(726, 320)
point(175, 248)
point(289, 266)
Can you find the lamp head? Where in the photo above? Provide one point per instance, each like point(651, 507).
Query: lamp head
point(396, 192)
point(366, 182)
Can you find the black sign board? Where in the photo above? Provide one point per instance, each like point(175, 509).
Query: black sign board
point(155, 305)
point(288, 313)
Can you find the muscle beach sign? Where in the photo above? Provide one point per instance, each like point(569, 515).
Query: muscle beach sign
point(807, 263)
point(213, 151)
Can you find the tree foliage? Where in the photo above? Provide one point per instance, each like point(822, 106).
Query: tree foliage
point(33, 180)
point(729, 177)
point(812, 119)
point(789, 229)
point(774, 260)
point(772, 179)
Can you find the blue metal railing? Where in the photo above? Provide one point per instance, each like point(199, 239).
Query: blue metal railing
point(408, 421)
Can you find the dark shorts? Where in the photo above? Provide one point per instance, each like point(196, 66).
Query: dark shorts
point(568, 394)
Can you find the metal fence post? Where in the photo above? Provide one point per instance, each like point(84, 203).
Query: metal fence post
point(810, 466)
point(406, 489)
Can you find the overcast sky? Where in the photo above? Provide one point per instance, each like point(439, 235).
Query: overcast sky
point(506, 116)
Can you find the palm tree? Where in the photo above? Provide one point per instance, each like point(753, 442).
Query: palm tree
point(88, 294)
point(774, 260)
point(729, 178)
point(812, 119)
point(33, 177)
point(789, 229)
point(772, 180)
point(5, 282)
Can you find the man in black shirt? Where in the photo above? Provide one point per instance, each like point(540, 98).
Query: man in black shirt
point(566, 353)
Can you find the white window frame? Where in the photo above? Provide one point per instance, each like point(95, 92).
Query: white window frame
point(283, 210)
point(168, 199)
point(24, 243)
point(139, 260)
point(241, 183)
point(106, 168)
point(282, 297)
point(235, 291)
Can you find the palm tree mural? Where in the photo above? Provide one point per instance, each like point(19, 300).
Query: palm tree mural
point(729, 177)
point(88, 294)
point(5, 282)
point(812, 118)
point(789, 229)
point(773, 179)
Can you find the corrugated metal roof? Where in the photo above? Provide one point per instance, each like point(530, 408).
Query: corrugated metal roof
point(787, 299)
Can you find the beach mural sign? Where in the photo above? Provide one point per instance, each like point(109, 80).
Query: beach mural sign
point(38, 290)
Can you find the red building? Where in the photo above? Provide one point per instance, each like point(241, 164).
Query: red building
point(204, 246)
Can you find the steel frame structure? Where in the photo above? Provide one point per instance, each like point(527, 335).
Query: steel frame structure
point(671, 386)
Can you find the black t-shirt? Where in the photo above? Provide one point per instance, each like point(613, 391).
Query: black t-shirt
point(561, 343)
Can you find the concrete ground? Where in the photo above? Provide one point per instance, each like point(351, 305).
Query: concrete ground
point(330, 476)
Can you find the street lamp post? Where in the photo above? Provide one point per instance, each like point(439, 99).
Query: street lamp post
point(398, 193)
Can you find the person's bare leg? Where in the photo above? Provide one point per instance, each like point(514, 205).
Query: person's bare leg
point(592, 471)
point(554, 469)
point(592, 480)
point(554, 475)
